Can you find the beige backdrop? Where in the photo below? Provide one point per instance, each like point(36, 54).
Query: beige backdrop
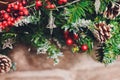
point(71, 67)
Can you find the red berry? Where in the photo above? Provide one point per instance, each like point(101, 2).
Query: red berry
point(20, 4)
point(12, 4)
point(24, 2)
point(64, 1)
point(75, 36)
point(26, 12)
point(11, 19)
point(0, 25)
point(9, 6)
point(21, 13)
point(66, 34)
point(52, 6)
point(2, 11)
point(8, 10)
point(10, 23)
point(21, 8)
point(60, 2)
point(69, 41)
point(84, 47)
point(6, 16)
point(5, 24)
point(16, 7)
point(38, 3)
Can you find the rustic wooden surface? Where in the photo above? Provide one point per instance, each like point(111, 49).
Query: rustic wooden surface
point(71, 67)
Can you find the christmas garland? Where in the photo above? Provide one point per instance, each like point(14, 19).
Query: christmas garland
point(82, 25)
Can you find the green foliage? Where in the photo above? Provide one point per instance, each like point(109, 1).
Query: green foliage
point(112, 46)
point(84, 39)
point(8, 35)
point(79, 10)
point(38, 39)
point(104, 3)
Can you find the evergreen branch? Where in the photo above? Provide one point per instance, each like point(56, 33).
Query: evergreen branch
point(58, 6)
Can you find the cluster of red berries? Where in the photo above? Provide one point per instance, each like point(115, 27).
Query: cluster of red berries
point(48, 4)
point(6, 19)
point(12, 14)
point(70, 39)
point(18, 9)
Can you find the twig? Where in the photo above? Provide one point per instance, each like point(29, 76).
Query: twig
point(2, 2)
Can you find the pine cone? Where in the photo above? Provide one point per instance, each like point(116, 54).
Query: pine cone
point(102, 32)
point(112, 10)
point(5, 64)
point(99, 52)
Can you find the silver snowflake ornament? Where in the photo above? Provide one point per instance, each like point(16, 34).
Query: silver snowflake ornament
point(8, 43)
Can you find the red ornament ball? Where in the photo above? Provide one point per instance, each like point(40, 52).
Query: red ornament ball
point(84, 47)
point(69, 41)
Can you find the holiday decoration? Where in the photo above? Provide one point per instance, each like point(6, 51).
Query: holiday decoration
point(13, 13)
point(84, 47)
point(69, 41)
point(8, 44)
point(5, 64)
point(75, 49)
point(48, 25)
point(51, 24)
